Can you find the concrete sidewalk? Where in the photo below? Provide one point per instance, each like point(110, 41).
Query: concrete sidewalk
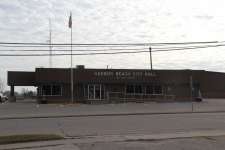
point(113, 138)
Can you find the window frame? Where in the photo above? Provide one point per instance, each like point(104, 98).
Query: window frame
point(51, 90)
point(134, 86)
point(133, 89)
point(154, 87)
point(101, 92)
point(157, 87)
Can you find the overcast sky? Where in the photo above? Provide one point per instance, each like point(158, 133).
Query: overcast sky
point(116, 21)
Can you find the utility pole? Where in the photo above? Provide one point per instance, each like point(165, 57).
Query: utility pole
point(150, 53)
point(50, 44)
point(191, 94)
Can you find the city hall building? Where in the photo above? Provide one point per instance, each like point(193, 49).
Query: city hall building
point(119, 85)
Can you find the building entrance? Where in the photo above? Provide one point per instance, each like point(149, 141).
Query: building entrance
point(95, 92)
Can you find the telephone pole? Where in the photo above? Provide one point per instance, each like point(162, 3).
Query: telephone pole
point(150, 53)
point(191, 93)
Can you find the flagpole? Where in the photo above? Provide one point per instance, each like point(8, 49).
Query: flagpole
point(71, 58)
point(50, 44)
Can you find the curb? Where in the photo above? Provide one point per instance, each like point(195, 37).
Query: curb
point(110, 114)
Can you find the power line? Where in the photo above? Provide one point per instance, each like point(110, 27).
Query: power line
point(109, 44)
point(84, 50)
point(72, 54)
point(110, 53)
point(119, 49)
point(73, 46)
point(188, 48)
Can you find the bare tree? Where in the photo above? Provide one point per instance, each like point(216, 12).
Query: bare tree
point(1, 85)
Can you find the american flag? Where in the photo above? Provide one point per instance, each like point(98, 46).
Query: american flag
point(70, 21)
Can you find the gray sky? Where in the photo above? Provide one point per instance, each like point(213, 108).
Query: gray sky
point(116, 21)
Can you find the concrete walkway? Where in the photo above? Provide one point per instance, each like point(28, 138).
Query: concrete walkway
point(113, 138)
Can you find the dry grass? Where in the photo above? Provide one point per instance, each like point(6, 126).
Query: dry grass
point(28, 138)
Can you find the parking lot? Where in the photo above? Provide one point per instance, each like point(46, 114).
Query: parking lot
point(32, 109)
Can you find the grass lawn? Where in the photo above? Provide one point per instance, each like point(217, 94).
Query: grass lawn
point(28, 138)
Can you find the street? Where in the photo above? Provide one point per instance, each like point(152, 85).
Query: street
point(91, 126)
point(115, 125)
point(83, 128)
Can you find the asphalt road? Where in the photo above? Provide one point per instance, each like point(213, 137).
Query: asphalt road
point(109, 129)
point(82, 128)
point(115, 125)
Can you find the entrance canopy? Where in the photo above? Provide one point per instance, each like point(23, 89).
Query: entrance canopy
point(19, 78)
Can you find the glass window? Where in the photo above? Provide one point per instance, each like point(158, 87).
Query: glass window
point(138, 89)
point(134, 89)
point(102, 92)
point(52, 90)
point(56, 90)
point(91, 92)
point(158, 89)
point(46, 90)
point(130, 89)
point(39, 91)
point(86, 91)
point(149, 89)
point(97, 92)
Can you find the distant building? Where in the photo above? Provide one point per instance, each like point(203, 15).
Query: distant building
point(120, 85)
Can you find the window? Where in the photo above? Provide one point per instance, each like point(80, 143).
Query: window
point(52, 90)
point(46, 90)
point(102, 92)
point(138, 89)
point(96, 92)
point(91, 92)
point(56, 90)
point(149, 89)
point(158, 89)
point(132, 89)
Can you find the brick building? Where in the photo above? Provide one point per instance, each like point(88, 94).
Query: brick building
point(120, 85)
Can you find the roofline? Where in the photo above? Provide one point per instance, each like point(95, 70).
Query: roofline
point(126, 69)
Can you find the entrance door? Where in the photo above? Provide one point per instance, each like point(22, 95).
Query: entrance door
point(91, 92)
point(95, 92)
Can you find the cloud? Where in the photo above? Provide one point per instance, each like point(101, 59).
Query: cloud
point(117, 21)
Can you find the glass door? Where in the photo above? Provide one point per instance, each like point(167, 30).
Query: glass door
point(95, 92)
point(91, 93)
